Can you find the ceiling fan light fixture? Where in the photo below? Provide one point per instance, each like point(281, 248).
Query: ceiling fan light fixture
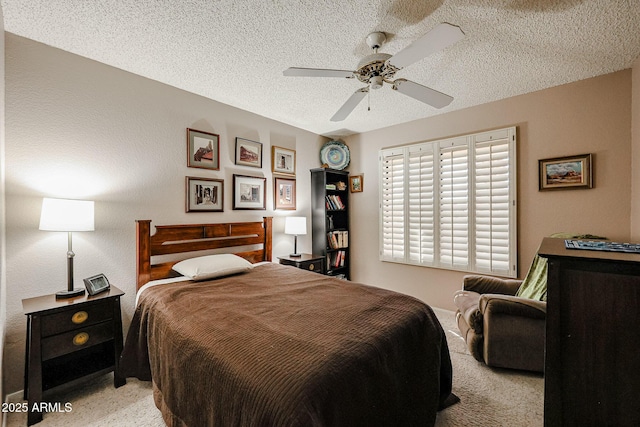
point(376, 82)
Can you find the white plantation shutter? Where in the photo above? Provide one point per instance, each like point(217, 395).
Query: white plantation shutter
point(451, 203)
point(494, 190)
point(421, 210)
point(454, 205)
point(392, 213)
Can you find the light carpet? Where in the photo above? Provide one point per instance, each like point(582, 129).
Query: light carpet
point(488, 397)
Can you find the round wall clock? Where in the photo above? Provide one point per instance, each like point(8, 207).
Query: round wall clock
point(335, 154)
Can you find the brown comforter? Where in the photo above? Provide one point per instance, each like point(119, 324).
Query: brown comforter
point(279, 346)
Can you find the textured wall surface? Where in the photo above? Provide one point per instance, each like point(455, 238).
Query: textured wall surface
point(3, 249)
point(589, 116)
point(635, 158)
point(77, 128)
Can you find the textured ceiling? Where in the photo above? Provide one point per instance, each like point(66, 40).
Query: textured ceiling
point(234, 51)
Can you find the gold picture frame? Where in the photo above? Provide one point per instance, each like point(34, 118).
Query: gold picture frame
point(356, 183)
point(565, 173)
point(283, 161)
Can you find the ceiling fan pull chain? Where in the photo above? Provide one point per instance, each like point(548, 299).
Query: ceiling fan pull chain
point(368, 100)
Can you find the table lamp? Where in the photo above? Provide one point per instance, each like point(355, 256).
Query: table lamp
point(296, 225)
point(67, 215)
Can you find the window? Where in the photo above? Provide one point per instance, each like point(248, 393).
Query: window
point(451, 203)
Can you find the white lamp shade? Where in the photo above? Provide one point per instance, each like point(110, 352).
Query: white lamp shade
point(67, 215)
point(295, 225)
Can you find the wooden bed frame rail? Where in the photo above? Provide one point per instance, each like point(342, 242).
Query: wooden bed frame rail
point(174, 239)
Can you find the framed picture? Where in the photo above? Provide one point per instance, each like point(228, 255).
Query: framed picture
point(283, 160)
point(203, 150)
point(561, 173)
point(96, 284)
point(356, 183)
point(248, 153)
point(285, 193)
point(249, 192)
point(204, 194)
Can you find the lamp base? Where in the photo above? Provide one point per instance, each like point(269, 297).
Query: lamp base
point(295, 255)
point(69, 294)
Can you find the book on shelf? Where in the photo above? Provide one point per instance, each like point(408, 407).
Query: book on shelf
point(336, 259)
point(334, 202)
point(338, 239)
point(330, 186)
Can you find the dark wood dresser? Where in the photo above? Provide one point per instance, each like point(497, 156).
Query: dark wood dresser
point(592, 361)
point(68, 339)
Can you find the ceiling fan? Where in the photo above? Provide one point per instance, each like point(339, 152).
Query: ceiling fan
point(379, 68)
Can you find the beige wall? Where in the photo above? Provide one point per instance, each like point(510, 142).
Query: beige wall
point(3, 269)
point(635, 150)
point(590, 116)
point(77, 128)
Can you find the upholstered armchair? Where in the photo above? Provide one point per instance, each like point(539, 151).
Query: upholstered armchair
point(500, 328)
point(503, 321)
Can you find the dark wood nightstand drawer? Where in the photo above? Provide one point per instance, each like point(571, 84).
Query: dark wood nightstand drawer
point(85, 315)
point(313, 265)
point(69, 342)
point(309, 262)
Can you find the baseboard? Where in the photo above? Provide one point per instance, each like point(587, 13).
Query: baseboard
point(9, 398)
point(446, 310)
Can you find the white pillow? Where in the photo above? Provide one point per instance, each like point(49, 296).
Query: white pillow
point(211, 266)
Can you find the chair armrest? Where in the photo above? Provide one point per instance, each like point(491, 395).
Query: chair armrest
point(490, 285)
point(513, 306)
point(468, 307)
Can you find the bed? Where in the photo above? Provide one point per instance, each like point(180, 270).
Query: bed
point(274, 345)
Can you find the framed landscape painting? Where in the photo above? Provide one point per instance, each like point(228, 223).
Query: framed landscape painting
point(561, 173)
point(356, 183)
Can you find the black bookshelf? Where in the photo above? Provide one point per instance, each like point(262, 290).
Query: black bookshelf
point(330, 219)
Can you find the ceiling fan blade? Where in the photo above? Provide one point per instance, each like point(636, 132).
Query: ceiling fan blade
point(316, 72)
point(422, 93)
point(435, 40)
point(351, 103)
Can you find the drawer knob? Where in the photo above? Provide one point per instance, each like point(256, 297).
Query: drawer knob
point(81, 338)
point(79, 317)
point(312, 267)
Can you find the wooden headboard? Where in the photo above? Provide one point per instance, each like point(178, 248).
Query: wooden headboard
point(174, 239)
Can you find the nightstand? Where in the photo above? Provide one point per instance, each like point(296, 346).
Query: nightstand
point(68, 339)
point(305, 261)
